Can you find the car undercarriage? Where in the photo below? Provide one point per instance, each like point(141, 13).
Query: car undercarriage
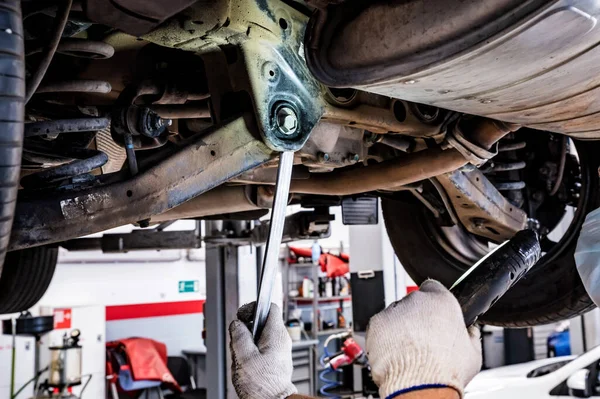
point(470, 120)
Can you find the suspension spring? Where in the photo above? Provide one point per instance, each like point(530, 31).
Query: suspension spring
point(63, 160)
point(83, 161)
point(504, 173)
point(79, 48)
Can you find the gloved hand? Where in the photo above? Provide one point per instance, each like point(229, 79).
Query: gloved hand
point(421, 342)
point(263, 371)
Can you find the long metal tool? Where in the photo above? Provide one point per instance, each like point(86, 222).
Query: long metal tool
point(271, 259)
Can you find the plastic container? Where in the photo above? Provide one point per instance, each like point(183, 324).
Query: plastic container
point(294, 329)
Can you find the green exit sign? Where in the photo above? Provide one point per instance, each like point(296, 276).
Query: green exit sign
point(189, 286)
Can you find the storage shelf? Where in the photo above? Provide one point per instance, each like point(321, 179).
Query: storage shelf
point(322, 299)
point(304, 264)
point(333, 331)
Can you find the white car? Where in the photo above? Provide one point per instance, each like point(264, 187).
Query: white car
point(559, 377)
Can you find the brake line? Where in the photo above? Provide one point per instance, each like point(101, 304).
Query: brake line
point(561, 166)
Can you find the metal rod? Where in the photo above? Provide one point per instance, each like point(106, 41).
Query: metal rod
point(182, 111)
point(561, 165)
point(75, 86)
point(62, 16)
point(13, 357)
point(59, 126)
point(271, 259)
point(131, 159)
point(384, 175)
point(38, 343)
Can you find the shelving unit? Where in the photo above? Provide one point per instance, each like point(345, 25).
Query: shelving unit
point(332, 331)
point(293, 274)
point(322, 299)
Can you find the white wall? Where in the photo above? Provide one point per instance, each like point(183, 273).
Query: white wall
point(140, 277)
point(94, 278)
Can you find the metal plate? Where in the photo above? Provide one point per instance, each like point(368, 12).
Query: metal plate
point(360, 210)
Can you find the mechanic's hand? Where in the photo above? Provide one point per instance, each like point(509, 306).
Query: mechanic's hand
point(265, 371)
point(421, 342)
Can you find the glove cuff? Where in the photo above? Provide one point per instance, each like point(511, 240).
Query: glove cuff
point(415, 388)
point(289, 391)
point(395, 387)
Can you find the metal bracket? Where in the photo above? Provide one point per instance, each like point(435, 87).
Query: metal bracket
point(303, 225)
point(481, 208)
point(264, 46)
point(281, 83)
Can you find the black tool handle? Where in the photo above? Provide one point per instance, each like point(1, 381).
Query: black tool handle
point(489, 279)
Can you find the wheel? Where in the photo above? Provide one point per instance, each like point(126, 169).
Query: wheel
point(12, 105)
point(551, 291)
point(25, 277)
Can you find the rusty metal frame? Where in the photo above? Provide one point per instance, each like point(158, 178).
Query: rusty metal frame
point(480, 207)
point(207, 161)
point(263, 41)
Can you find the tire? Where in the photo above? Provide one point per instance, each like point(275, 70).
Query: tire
point(12, 108)
point(550, 292)
point(25, 277)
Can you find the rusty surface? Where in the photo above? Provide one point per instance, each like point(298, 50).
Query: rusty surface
point(480, 207)
point(182, 111)
point(75, 86)
point(486, 132)
point(133, 16)
point(528, 62)
point(221, 200)
point(206, 162)
point(379, 120)
point(381, 114)
point(385, 175)
point(265, 58)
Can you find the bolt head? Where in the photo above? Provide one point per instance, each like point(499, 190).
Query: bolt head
point(324, 157)
point(287, 120)
point(478, 223)
point(354, 157)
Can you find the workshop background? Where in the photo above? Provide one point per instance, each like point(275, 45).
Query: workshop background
point(162, 295)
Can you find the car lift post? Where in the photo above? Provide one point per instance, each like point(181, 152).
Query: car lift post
point(223, 239)
point(220, 308)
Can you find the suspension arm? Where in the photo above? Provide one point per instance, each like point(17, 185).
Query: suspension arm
point(209, 160)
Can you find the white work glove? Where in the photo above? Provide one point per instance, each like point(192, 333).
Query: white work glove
point(263, 372)
point(421, 342)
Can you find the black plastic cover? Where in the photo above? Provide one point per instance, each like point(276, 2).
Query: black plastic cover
point(29, 326)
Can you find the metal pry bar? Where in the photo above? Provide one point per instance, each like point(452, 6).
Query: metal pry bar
point(271, 259)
